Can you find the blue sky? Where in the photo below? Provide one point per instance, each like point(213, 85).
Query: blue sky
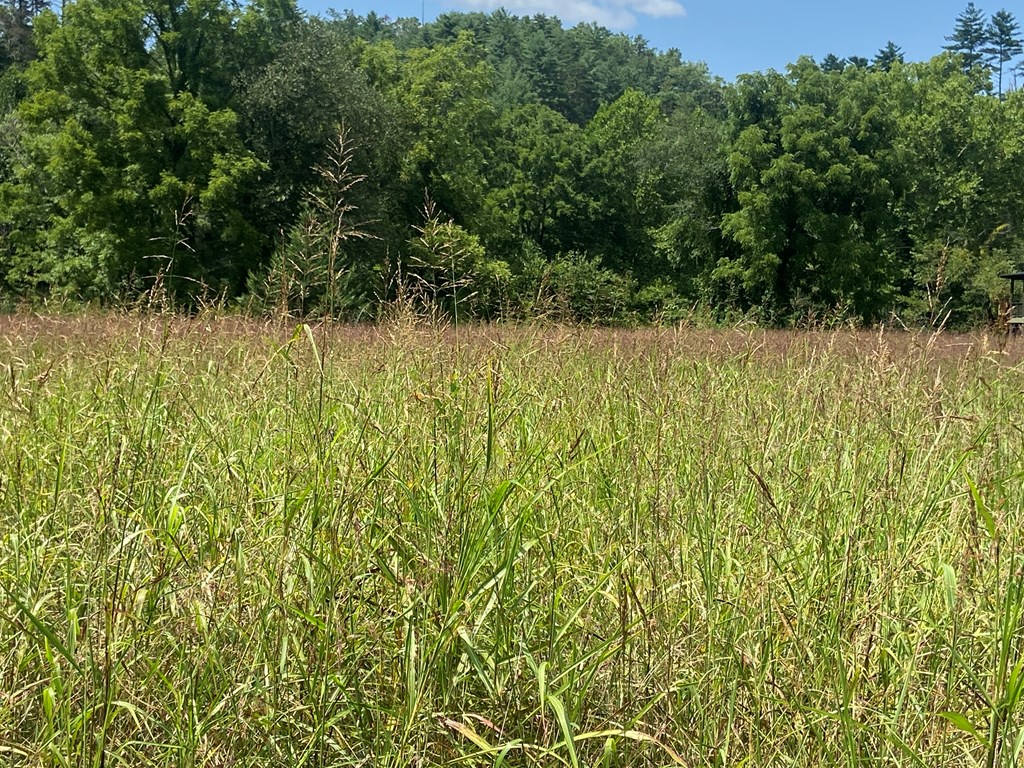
point(732, 37)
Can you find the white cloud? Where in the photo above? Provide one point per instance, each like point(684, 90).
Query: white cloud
point(614, 14)
point(659, 8)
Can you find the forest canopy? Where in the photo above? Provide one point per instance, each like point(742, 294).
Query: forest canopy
point(497, 166)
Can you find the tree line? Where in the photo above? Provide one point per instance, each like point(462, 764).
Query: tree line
point(498, 166)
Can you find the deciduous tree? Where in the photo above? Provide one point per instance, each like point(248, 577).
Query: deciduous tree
point(815, 223)
point(132, 164)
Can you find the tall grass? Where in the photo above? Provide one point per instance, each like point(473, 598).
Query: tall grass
point(224, 544)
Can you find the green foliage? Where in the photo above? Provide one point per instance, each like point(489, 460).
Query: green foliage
point(17, 18)
point(887, 57)
point(969, 37)
point(313, 272)
point(581, 289)
point(624, 190)
point(535, 176)
point(290, 111)
point(962, 287)
point(572, 71)
point(297, 278)
point(961, 203)
point(1004, 43)
point(687, 158)
point(132, 162)
point(178, 145)
point(814, 178)
point(442, 93)
point(450, 268)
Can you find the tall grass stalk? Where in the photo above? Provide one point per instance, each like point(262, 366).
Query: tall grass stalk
point(231, 544)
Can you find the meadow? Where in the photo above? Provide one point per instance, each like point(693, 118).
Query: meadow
point(226, 543)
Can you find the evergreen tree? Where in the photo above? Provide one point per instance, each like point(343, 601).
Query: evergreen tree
point(887, 56)
point(1003, 42)
point(833, 63)
point(969, 37)
point(16, 46)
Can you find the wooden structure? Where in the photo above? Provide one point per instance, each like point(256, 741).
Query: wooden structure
point(1015, 314)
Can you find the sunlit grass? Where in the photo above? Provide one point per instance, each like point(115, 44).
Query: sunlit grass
point(229, 544)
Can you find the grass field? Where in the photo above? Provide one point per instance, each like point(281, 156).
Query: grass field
point(231, 544)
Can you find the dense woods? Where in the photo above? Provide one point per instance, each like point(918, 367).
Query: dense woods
point(193, 151)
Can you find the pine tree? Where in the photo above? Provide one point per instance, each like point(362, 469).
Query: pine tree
point(1003, 43)
point(888, 56)
point(969, 37)
point(16, 46)
point(833, 63)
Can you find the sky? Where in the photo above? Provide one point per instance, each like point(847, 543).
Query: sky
point(731, 36)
